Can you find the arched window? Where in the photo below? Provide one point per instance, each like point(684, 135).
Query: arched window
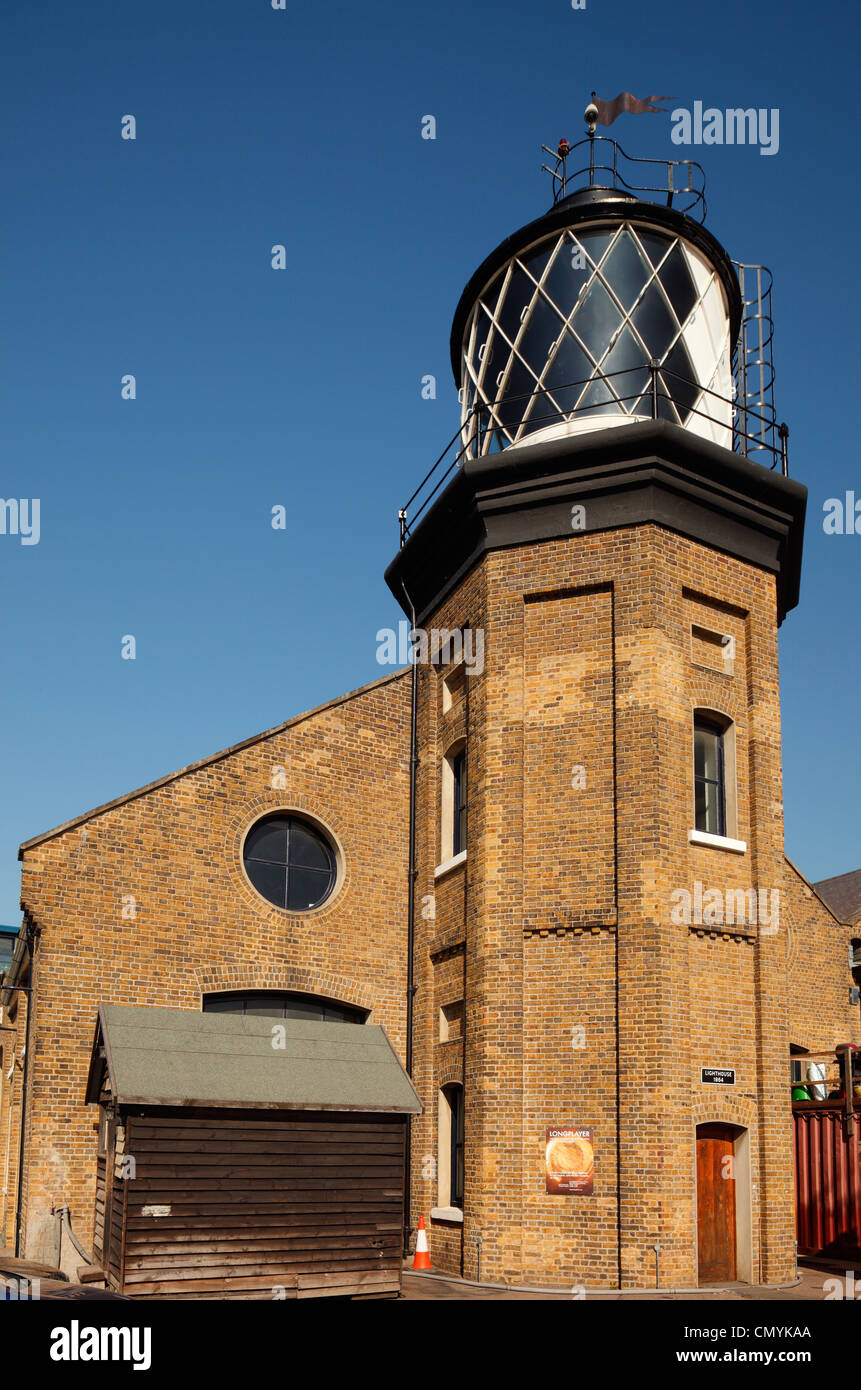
point(281, 1004)
point(709, 774)
point(714, 778)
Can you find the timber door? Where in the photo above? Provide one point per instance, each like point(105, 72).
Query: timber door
point(716, 1203)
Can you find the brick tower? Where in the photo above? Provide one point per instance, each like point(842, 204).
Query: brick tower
point(598, 948)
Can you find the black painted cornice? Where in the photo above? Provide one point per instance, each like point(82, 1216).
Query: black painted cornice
point(627, 475)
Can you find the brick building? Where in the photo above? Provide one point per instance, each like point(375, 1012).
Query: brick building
point(579, 928)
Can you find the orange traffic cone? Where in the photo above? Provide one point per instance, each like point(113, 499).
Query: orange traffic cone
point(421, 1259)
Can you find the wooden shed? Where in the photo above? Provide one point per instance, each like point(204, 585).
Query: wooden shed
point(239, 1157)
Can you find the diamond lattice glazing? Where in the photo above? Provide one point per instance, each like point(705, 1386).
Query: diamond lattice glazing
point(565, 332)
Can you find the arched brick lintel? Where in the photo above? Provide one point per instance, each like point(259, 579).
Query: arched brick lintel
point(725, 1110)
point(450, 1069)
point(259, 975)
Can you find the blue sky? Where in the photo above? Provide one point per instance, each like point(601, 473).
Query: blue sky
point(302, 388)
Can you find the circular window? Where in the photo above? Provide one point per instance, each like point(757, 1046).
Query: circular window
point(289, 862)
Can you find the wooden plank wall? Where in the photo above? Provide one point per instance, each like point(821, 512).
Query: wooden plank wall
point(117, 1195)
point(101, 1174)
point(99, 1226)
point(300, 1205)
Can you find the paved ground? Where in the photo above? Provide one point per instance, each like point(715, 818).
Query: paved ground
point(810, 1288)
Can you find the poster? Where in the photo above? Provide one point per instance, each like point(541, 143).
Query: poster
point(568, 1161)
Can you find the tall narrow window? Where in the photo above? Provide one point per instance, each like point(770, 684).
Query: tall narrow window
point(855, 966)
point(458, 771)
point(709, 777)
point(453, 805)
point(454, 1097)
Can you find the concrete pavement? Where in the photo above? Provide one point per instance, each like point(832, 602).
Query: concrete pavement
point(812, 1286)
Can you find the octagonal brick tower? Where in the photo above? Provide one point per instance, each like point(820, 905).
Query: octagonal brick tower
point(619, 566)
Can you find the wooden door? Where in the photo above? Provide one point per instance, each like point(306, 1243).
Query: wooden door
point(716, 1203)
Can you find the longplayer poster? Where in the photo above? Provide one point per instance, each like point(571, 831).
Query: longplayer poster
point(569, 1161)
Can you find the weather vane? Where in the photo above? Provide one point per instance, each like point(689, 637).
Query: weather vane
point(602, 112)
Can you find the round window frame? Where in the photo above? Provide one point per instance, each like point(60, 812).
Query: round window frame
point(322, 829)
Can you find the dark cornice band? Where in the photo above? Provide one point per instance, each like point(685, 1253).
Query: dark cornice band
point(627, 475)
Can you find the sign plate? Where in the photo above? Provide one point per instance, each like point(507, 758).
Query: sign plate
point(718, 1076)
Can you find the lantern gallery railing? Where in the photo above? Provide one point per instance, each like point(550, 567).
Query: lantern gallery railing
point(488, 426)
point(682, 182)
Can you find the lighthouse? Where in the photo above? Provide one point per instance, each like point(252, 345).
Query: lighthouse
point(601, 1066)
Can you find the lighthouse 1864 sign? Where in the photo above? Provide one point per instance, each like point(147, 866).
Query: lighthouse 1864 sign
point(718, 1076)
point(568, 1161)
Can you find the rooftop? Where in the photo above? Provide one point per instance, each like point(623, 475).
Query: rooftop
point(842, 894)
point(180, 1057)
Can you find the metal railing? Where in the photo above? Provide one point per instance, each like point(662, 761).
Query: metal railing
point(841, 1081)
point(488, 426)
point(684, 179)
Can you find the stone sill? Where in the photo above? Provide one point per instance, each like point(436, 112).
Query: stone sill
point(447, 1214)
point(448, 864)
point(702, 837)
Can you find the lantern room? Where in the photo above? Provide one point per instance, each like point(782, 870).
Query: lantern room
point(611, 308)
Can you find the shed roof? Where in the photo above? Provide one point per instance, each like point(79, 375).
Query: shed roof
point(181, 1057)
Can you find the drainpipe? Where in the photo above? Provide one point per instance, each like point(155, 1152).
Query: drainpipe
point(616, 992)
point(411, 904)
point(8, 1155)
point(467, 868)
point(26, 942)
